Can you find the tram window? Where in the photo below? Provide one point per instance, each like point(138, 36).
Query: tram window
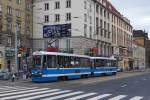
point(50, 61)
point(108, 63)
point(99, 63)
point(37, 61)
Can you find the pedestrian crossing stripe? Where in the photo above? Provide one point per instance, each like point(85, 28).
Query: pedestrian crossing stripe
point(81, 96)
point(63, 95)
point(7, 90)
point(99, 97)
point(118, 97)
point(30, 93)
point(136, 98)
point(26, 91)
point(45, 95)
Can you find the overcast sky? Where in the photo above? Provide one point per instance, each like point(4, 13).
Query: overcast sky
point(137, 11)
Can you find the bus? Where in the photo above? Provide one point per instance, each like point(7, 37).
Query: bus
point(53, 66)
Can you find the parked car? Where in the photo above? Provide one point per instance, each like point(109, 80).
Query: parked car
point(4, 74)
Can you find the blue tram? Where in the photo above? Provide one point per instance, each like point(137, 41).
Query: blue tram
point(53, 66)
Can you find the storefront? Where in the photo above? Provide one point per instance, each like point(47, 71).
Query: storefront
point(9, 58)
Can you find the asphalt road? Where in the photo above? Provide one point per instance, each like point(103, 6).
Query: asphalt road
point(136, 87)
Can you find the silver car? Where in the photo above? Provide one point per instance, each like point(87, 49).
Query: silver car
point(4, 74)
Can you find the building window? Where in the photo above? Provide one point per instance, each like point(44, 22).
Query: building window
point(68, 3)
point(85, 30)
point(18, 13)
point(57, 5)
point(1, 39)
point(101, 11)
point(104, 13)
point(9, 41)
point(85, 17)
point(46, 6)
point(90, 30)
point(9, 26)
point(57, 17)
point(9, 10)
point(90, 19)
point(97, 8)
point(68, 16)
point(90, 8)
point(85, 5)
point(18, 1)
point(101, 26)
point(108, 15)
point(104, 29)
point(46, 18)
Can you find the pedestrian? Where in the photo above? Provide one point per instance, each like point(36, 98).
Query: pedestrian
point(24, 71)
point(13, 77)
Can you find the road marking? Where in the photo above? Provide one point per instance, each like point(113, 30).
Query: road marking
point(44, 95)
point(136, 98)
point(123, 85)
point(15, 90)
point(16, 87)
point(99, 97)
point(26, 91)
point(81, 96)
point(118, 97)
point(29, 94)
point(63, 95)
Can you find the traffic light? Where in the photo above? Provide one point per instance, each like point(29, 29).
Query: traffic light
point(21, 50)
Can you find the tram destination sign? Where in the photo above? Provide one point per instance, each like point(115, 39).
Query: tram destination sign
point(60, 30)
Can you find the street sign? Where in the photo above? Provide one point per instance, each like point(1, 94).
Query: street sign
point(60, 30)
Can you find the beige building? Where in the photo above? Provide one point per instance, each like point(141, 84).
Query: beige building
point(122, 40)
point(16, 18)
point(138, 56)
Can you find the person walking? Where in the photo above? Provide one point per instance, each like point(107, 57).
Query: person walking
point(24, 71)
point(13, 75)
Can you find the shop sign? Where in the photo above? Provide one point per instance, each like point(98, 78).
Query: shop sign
point(9, 54)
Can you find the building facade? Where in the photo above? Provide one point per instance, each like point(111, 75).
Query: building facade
point(16, 19)
point(141, 37)
point(96, 28)
point(138, 56)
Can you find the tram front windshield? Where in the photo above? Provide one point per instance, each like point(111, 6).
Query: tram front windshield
point(37, 61)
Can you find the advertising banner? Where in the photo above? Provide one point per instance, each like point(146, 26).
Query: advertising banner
point(60, 30)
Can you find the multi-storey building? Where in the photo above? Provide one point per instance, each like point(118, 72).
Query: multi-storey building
point(16, 19)
point(141, 37)
point(138, 56)
point(93, 27)
point(122, 40)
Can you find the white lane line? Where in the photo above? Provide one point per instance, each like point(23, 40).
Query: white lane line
point(124, 85)
point(118, 97)
point(29, 94)
point(15, 90)
point(17, 87)
point(44, 95)
point(81, 96)
point(99, 97)
point(136, 98)
point(26, 91)
point(8, 91)
point(63, 95)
